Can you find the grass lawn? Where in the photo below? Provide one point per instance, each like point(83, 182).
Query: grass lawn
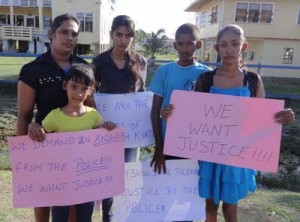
point(10, 66)
point(266, 205)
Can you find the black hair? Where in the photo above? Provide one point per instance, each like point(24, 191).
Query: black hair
point(238, 30)
point(233, 29)
point(123, 20)
point(135, 60)
point(57, 22)
point(81, 73)
point(190, 29)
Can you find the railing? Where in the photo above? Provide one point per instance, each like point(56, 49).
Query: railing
point(17, 32)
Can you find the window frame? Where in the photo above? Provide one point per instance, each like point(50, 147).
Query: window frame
point(214, 15)
point(202, 19)
point(85, 24)
point(288, 55)
point(4, 3)
point(47, 3)
point(268, 17)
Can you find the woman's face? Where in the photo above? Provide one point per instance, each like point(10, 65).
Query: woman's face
point(121, 39)
point(65, 37)
point(230, 47)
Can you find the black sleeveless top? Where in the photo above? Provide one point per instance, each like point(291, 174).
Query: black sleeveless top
point(250, 80)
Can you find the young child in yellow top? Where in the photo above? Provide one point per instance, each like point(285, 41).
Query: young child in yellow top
point(75, 116)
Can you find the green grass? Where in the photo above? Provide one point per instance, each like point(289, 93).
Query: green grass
point(10, 214)
point(10, 66)
point(266, 205)
point(279, 85)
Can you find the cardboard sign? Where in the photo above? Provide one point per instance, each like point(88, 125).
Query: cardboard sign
point(130, 111)
point(67, 168)
point(232, 130)
point(152, 197)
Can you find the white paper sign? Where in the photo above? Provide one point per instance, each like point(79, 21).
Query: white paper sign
point(152, 197)
point(130, 111)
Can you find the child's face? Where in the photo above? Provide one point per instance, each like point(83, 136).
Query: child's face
point(186, 47)
point(77, 92)
point(230, 47)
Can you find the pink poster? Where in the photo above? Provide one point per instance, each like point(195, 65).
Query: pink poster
point(230, 130)
point(67, 168)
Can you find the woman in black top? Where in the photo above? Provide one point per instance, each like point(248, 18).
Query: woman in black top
point(40, 84)
point(120, 70)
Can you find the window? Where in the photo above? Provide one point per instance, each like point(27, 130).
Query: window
point(33, 3)
point(213, 16)
point(19, 20)
point(202, 19)
point(47, 3)
point(29, 3)
point(16, 3)
point(241, 12)
point(4, 2)
point(3, 19)
point(47, 22)
point(86, 21)
point(288, 55)
point(266, 13)
point(253, 12)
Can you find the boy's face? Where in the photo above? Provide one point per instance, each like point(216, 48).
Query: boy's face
point(186, 47)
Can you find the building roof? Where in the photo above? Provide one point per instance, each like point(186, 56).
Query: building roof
point(196, 5)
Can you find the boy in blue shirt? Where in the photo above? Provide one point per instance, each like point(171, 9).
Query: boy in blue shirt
point(180, 75)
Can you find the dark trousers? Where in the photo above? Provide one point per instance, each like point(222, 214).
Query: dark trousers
point(84, 212)
point(107, 209)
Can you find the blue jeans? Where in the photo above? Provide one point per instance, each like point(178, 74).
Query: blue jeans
point(84, 212)
point(131, 155)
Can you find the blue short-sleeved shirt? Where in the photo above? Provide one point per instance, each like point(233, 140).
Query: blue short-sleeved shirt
point(172, 76)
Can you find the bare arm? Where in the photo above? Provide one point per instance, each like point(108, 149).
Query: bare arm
point(158, 160)
point(283, 116)
point(26, 101)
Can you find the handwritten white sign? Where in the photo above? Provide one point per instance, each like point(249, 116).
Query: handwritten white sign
point(67, 168)
point(232, 130)
point(130, 111)
point(152, 197)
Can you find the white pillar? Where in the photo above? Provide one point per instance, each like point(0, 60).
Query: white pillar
point(11, 12)
point(5, 45)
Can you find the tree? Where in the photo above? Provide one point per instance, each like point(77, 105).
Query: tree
point(155, 43)
point(140, 38)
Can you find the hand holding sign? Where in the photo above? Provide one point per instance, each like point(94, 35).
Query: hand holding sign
point(231, 130)
point(67, 168)
point(130, 111)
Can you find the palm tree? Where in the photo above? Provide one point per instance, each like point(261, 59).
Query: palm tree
point(155, 43)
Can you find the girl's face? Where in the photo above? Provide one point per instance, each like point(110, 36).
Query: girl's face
point(186, 47)
point(230, 47)
point(77, 92)
point(121, 38)
point(65, 37)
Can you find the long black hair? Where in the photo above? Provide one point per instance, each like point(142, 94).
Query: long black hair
point(136, 62)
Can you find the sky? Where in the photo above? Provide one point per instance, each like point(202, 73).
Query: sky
point(151, 15)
